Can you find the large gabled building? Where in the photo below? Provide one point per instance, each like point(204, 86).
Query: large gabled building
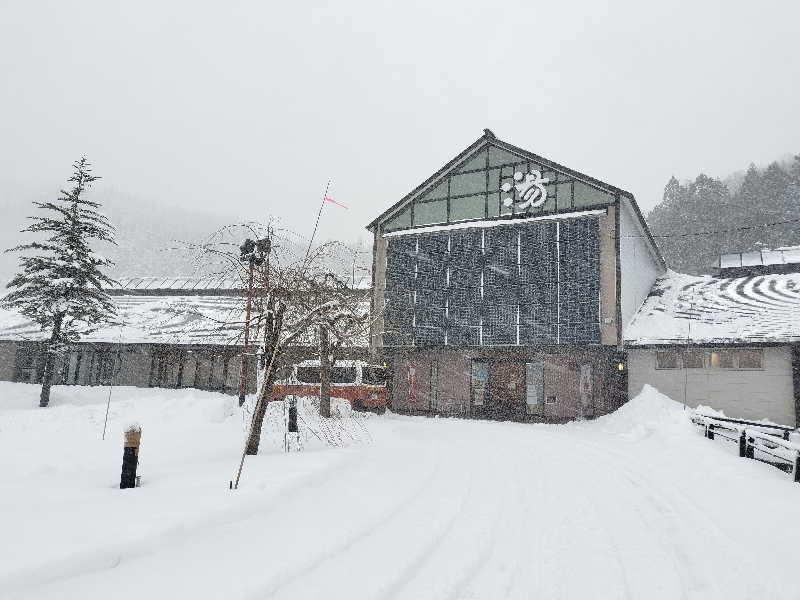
point(501, 284)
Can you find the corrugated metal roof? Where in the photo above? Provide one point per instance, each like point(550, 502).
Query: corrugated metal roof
point(779, 256)
point(161, 319)
point(685, 308)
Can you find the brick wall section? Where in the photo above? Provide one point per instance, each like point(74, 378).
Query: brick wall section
point(561, 380)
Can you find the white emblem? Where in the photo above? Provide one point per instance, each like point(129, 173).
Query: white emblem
point(530, 188)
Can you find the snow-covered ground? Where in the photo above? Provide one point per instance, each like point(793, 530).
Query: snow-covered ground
point(633, 505)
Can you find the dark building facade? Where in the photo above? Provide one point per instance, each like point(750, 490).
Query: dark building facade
point(500, 287)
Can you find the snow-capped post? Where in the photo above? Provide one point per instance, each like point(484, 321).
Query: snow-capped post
point(60, 285)
point(292, 435)
point(742, 444)
point(130, 456)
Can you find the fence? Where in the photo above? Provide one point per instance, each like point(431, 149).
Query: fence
point(756, 440)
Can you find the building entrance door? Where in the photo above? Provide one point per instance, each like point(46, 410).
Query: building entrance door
point(507, 381)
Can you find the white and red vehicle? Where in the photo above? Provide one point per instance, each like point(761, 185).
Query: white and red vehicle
point(360, 383)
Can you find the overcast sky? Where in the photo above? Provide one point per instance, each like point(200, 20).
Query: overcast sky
point(246, 109)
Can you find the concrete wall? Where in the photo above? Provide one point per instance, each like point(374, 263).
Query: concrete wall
point(378, 289)
point(745, 394)
point(609, 332)
point(639, 265)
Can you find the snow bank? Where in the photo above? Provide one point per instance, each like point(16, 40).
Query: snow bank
point(462, 509)
point(649, 413)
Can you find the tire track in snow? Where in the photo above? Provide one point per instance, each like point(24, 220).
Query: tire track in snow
point(673, 508)
point(388, 514)
point(472, 543)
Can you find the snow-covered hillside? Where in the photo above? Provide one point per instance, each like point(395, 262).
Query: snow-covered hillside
point(633, 505)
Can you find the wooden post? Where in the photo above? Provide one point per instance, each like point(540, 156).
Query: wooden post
point(750, 450)
point(130, 457)
point(324, 372)
point(710, 432)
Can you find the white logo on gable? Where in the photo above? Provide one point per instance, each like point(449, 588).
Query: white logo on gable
point(530, 188)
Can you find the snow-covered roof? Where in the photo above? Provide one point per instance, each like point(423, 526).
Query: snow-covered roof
point(164, 319)
point(153, 320)
point(705, 309)
point(786, 255)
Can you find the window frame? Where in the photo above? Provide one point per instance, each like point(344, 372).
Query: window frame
point(676, 357)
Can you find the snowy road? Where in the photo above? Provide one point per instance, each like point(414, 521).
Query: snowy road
point(635, 505)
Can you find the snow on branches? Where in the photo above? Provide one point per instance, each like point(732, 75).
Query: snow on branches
point(60, 282)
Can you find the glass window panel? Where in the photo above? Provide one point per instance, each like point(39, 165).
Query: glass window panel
point(507, 190)
point(401, 220)
point(750, 359)
point(586, 196)
point(468, 183)
point(373, 375)
point(501, 157)
point(723, 359)
point(494, 204)
point(308, 374)
point(430, 213)
point(440, 191)
point(476, 162)
point(480, 382)
point(471, 207)
point(667, 359)
point(564, 195)
point(534, 380)
point(343, 375)
point(494, 180)
point(693, 359)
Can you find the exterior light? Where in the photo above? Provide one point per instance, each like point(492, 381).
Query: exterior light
point(621, 367)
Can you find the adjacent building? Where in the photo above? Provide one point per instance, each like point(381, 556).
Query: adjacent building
point(501, 284)
point(728, 342)
point(169, 332)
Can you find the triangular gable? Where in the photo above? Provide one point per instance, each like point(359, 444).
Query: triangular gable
point(496, 161)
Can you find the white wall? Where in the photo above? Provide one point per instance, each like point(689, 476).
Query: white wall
point(639, 265)
point(746, 394)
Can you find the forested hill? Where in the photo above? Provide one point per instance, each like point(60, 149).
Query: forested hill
point(698, 220)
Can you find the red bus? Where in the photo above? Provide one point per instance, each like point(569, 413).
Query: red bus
point(361, 384)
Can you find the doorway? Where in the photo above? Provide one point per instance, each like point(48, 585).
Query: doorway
point(507, 384)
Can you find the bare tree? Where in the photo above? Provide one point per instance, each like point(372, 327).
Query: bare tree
point(295, 296)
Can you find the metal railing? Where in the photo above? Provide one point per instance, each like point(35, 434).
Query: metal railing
point(756, 440)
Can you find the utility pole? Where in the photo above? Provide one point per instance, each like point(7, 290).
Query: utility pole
point(254, 253)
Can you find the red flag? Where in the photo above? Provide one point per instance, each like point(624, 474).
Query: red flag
point(332, 201)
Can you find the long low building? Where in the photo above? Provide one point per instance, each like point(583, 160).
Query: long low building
point(168, 332)
point(731, 343)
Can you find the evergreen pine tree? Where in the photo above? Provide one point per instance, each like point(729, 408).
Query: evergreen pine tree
point(60, 284)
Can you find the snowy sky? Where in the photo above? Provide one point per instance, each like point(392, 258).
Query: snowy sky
point(246, 109)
